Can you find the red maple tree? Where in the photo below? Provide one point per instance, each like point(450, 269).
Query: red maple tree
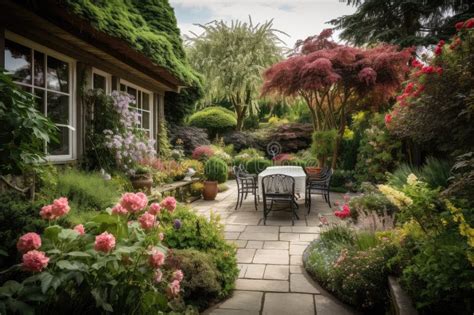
point(336, 80)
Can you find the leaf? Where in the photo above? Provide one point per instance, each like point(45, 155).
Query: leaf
point(3, 253)
point(46, 281)
point(68, 234)
point(78, 254)
point(21, 307)
point(51, 232)
point(65, 264)
point(100, 302)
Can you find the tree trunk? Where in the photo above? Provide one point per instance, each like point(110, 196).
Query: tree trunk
point(240, 111)
point(340, 134)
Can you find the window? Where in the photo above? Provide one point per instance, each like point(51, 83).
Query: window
point(47, 75)
point(101, 80)
point(143, 106)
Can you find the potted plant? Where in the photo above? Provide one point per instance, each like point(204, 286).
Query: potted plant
point(215, 172)
point(142, 178)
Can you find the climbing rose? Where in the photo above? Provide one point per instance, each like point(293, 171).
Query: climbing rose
point(158, 276)
point(388, 119)
point(147, 220)
point(104, 242)
point(154, 208)
point(35, 261)
point(134, 202)
point(169, 203)
point(80, 229)
point(178, 275)
point(60, 207)
point(118, 209)
point(174, 287)
point(47, 213)
point(28, 242)
point(157, 259)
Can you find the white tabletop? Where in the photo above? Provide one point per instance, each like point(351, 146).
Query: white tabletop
point(296, 172)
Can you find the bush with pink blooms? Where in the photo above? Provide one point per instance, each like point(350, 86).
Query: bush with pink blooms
point(117, 262)
point(203, 153)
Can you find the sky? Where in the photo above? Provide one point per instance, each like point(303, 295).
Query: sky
point(298, 18)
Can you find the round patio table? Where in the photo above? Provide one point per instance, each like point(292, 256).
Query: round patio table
point(296, 172)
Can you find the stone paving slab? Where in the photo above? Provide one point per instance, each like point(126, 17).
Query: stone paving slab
point(244, 300)
point(262, 229)
point(276, 272)
point(254, 244)
point(221, 311)
point(262, 285)
point(329, 306)
point(289, 303)
point(245, 255)
point(275, 245)
point(300, 283)
point(271, 256)
point(234, 228)
point(259, 236)
point(255, 271)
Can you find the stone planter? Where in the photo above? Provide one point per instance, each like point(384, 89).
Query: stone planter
point(142, 182)
point(400, 302)
point(210, 190)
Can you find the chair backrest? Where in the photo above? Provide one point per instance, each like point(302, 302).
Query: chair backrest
point(278, 184)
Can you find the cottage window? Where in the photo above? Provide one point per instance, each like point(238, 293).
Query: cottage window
point(47, 75)
point(143, 105)
point(101, 80)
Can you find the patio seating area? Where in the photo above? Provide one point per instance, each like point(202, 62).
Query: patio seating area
point(272, 279)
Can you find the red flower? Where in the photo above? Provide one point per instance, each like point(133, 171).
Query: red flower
point(439, 70)
point(344, 213)
point(438, 50)
point(420, 89)
point(416, 64)
point(409, 88)
point(388, 119)
point(459, 26)
point(470, 23)
point(428, 70)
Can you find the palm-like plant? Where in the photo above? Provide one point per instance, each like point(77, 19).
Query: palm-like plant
point(232, 58)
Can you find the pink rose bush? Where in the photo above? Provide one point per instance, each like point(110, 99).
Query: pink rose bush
point(109, 248)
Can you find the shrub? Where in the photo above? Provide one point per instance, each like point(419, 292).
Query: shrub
point(292, 137)
point(17, 216)
point(196, 188)
point(205, 235)
point(257, 165)
point(25, 147)
point(323, 145)
point(240, 140)
point(86, 191)
point(342, 180)
point(201, 284)
point(192, 137)
point(203, 153)
point(371, 202)
point(215, 119)
point(251, 122)
point(216, 170)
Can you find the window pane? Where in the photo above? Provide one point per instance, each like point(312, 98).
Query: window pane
point(39, 69)
point(62, 147)
point(99, 82)
point(58, 75)
point(18, 61)
point(145, 120)
point(123, 88)
point(58, 108)
point(39, 100)
point(132, 92)
point(146, 101)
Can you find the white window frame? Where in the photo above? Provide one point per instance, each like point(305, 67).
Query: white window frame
point(150, 104)
point(108, 79)
point(72, 90)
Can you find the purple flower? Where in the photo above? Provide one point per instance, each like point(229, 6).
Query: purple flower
point(177, 224)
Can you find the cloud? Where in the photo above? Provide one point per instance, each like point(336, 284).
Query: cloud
point(299, 19)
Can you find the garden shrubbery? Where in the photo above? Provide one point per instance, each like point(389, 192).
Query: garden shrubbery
point(215, 119)
point(256, 165)
point(216, 170)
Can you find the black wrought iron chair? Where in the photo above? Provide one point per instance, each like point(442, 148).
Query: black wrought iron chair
point(246, 183)
point(278, 188)
point(319, 184)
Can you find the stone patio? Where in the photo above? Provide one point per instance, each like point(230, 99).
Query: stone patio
point(272, 279)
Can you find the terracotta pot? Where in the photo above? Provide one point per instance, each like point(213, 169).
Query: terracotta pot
point(210, 190)
point(142, 182)
point(313, 170)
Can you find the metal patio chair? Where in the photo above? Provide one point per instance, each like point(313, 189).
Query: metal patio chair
point(319, 184)
point(246, 183)
point(278, 188)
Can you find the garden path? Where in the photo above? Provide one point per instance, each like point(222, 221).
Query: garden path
point(272, 279)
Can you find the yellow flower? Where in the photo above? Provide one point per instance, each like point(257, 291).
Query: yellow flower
point(396, 197)
point(412, 180)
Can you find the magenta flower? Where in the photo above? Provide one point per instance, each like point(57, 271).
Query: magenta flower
point(28, 242)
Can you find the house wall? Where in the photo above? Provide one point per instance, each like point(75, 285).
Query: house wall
point(85, 62)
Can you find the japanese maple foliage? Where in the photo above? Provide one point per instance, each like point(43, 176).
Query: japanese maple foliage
point(335, 80)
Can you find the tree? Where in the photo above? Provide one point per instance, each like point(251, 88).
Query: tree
point(402, 22)
point(232, 58)
point(336, 80)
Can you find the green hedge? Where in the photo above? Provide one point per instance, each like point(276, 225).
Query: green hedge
point(215, 119)
point(216, 170)
point(257, 165)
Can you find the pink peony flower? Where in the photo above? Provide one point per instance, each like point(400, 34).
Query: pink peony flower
point(35, 261)
point(47, 213)
point(28, 242)
point(157, 259)
point(147, 220)
point(169, 203)
point(158, 276)
point(155, 208)
point(134, 202)
point(80, 229)
point(118, 209)
point(174, 288)
point(60, 207)
point(104, 242)
point(178, 275)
